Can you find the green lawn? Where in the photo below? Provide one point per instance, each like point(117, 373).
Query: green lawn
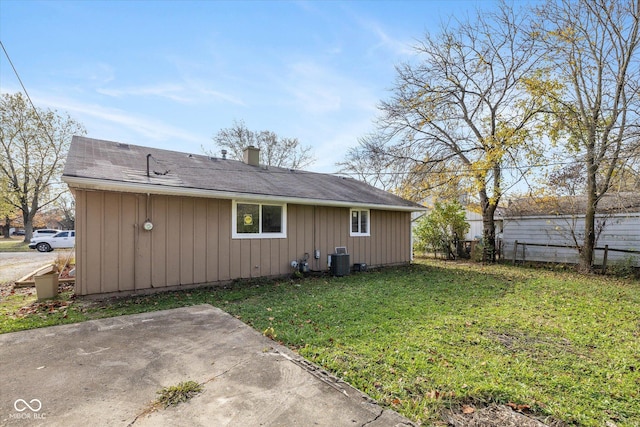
point(13, 244)
point(437, 335)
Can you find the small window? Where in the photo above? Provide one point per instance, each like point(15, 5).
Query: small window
point(360, 222)
point(258, 220)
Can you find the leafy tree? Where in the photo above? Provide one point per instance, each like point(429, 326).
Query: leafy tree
point(592, 49)
point(34, 143)
point(463, 110)
point(274, 150)
point(6, 210)
point(443, 226)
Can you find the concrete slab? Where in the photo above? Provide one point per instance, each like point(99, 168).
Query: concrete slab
point(107, 372)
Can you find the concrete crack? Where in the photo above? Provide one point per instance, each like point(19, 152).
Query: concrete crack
point(373, 420)
point(317, 372)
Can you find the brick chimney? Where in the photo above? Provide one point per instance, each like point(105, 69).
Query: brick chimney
point(252, 156)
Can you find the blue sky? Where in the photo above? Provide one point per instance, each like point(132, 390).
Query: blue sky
point(171, 74)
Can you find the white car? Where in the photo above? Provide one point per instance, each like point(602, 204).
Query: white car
point(63, 239)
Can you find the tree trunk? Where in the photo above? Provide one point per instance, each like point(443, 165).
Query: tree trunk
point(588, 245)
point(27, 218)
point(7, 227)
point(488, 227)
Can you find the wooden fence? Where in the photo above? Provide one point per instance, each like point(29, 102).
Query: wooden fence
point(606, 250)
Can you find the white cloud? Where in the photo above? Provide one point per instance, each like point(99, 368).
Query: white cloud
point(313, 88)
point(118, 120)
point(189, 92)
point(172, 91)
point(319, 89)
point(203, 88)
point(385, 41)
point(97, 74)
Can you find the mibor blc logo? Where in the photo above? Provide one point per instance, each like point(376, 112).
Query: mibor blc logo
point(27, 410)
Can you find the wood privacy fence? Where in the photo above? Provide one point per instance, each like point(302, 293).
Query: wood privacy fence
point(605, 256)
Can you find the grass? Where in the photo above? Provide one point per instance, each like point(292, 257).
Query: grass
point(13, 244)
point(173, 395)
point(438, 335)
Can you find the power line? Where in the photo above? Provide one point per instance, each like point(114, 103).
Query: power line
point(472, 170)
point(46, 131)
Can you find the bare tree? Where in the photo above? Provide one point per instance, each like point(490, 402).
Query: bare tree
point(368, 163)
point(464, 105)
point(274, 150)
point(66, 207)
point(593, 51)
point(570, 180)
point(34, 145)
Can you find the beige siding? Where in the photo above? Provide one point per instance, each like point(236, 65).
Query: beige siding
point(191, 241)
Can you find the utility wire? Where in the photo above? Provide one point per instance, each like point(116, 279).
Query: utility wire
point(46, 131)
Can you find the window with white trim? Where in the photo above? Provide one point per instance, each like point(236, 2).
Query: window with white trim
point(359, 222)
point(251, 220)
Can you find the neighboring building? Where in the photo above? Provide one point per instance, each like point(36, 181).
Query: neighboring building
point(556, 222)
point(155, 219)
point(476, 226)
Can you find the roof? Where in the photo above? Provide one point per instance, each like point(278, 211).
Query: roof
point(113, 166)
point(572, 205)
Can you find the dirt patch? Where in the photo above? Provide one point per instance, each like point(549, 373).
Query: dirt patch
point(520, 342)
point(496, 416)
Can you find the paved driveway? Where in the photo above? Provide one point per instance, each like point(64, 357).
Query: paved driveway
point(107, 372)
point(14, 265)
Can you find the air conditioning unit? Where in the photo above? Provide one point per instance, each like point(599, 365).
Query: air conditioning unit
point(340, 265)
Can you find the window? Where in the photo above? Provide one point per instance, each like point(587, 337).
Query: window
point(258, 220)
point(360, 222)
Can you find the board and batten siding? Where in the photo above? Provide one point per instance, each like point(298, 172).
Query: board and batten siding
point(191, 243)
point(620, 231)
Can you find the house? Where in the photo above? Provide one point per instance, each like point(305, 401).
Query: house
point(149, 219)
point(552, 227)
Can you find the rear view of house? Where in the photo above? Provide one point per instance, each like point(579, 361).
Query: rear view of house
point(155, 219)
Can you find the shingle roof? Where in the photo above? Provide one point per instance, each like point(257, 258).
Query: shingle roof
point(93, 163)
point(572, 205)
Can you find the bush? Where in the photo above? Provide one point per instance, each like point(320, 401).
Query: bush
point(439, 229)
point(624, 268)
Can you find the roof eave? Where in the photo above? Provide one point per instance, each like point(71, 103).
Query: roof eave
point(134, 187)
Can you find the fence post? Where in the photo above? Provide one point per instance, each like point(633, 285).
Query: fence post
point(604, 259)
point(515, 251)
point(524, 249)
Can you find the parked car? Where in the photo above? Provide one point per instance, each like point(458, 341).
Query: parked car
point(47, 243)
point(18, 233)
point(44, 232)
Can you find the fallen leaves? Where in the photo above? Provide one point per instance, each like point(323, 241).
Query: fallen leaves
point(466, 409)
point(44, 308)
point(517, 407)
point(437, 394)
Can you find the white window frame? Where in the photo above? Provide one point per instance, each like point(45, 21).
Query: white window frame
point(359, 233)
point(260, 234)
